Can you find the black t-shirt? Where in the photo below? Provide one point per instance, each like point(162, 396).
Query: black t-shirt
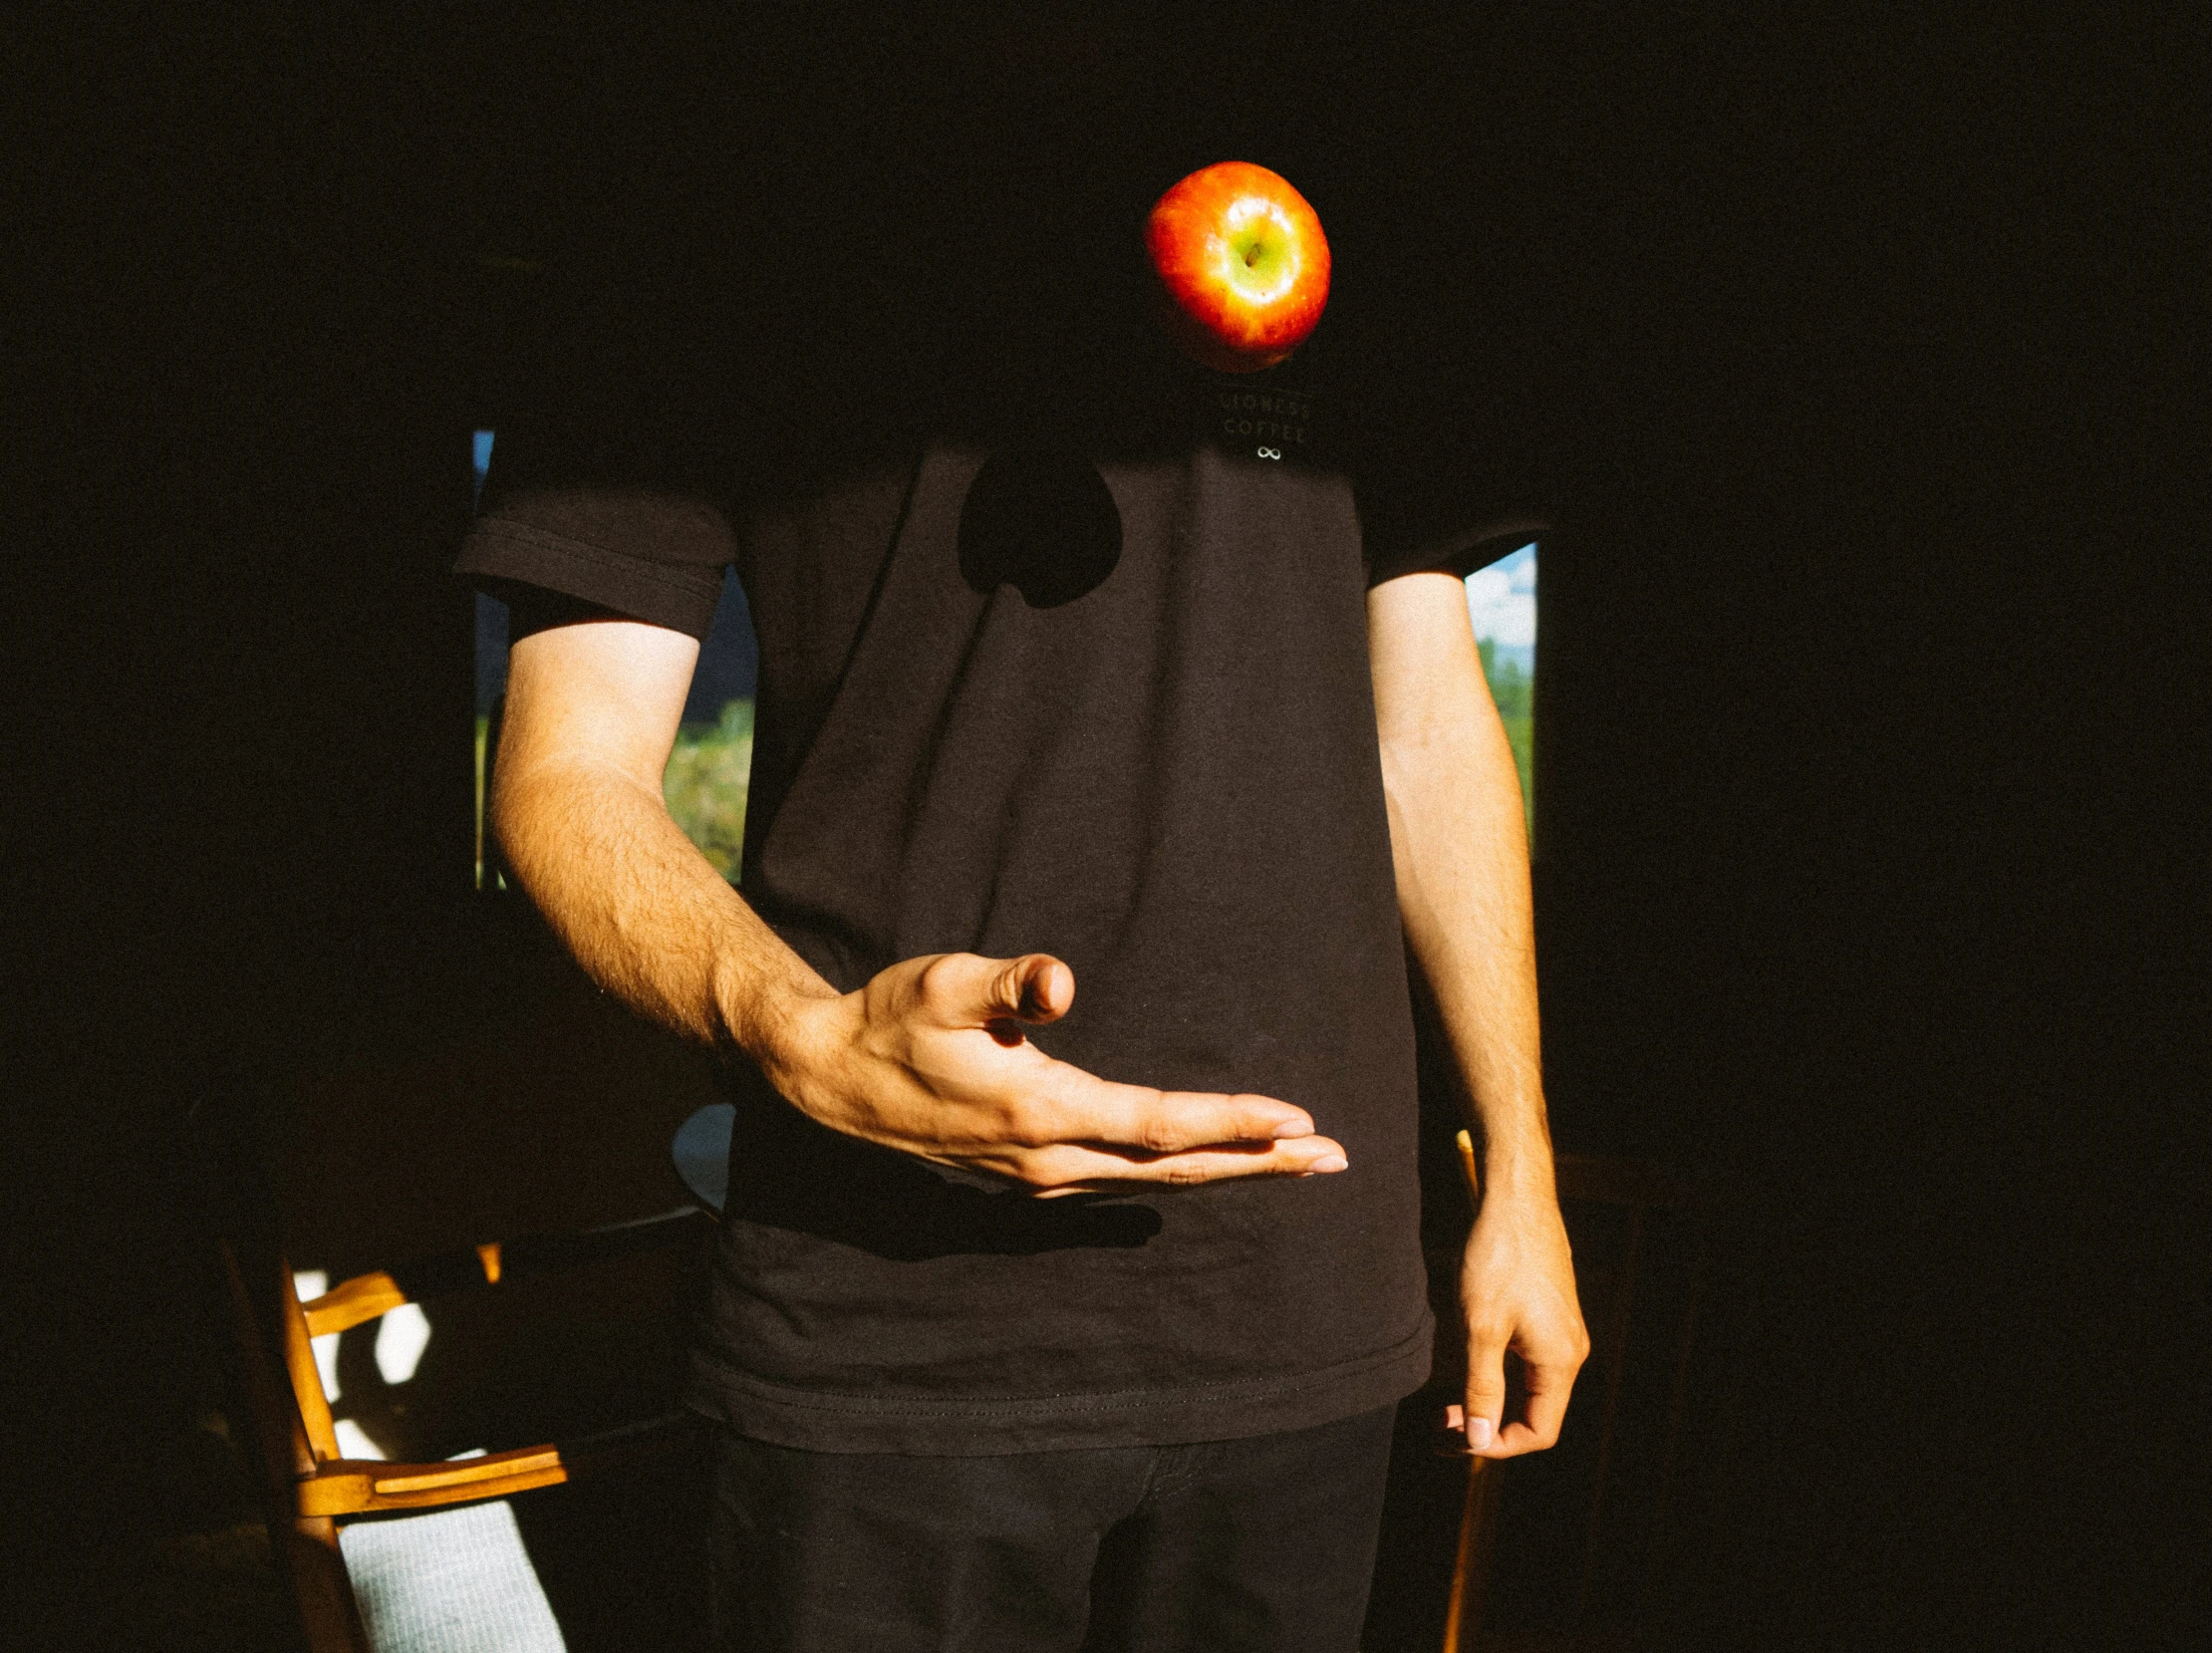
point(1062, 649)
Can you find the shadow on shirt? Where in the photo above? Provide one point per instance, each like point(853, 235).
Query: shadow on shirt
point(787, 1172)
point(1040, 520)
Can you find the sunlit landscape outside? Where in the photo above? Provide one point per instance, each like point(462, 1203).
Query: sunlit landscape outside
point(705, 784)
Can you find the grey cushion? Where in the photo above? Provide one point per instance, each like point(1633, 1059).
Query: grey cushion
point(448, 1582)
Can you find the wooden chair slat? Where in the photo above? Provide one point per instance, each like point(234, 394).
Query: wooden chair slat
point(353, 1302)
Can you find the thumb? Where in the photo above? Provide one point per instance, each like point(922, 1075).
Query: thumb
point(1485, 1389)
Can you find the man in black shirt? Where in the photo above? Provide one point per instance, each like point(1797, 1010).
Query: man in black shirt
point(1043, 1314)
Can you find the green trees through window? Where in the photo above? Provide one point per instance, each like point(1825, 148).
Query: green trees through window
point(1515, 691)
point(706, 781)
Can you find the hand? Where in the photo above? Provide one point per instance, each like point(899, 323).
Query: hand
point(1517, 1288)
point(930, 1058)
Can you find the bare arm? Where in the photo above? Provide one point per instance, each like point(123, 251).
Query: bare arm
point(927, 1057)
point(591, 719)
point(1460, 846)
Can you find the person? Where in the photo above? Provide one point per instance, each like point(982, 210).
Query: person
point(1117, 740)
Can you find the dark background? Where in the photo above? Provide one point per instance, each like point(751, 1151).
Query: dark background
point(1864, 364)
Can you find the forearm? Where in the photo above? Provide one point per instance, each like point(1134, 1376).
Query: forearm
point(926, 1057)
point(918, 1060)
point(643, 911)
point(1460, 846)
point(1461, 856)
point(1464, 895)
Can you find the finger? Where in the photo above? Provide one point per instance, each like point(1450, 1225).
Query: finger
point(1139, 1118)
point(1485, 1395)
point(1543, 1413)
point(1074, 1168)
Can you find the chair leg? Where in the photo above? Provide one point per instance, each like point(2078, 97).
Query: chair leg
point(323, 1594)
point(306, 1546)
point(1463, 1613)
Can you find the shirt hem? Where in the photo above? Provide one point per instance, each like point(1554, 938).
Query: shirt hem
point(987, 1425)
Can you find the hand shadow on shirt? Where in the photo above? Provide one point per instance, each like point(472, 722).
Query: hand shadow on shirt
point(786, 1172)
point(1041, 519)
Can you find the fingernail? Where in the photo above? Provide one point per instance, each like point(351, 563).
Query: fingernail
point(1478, 1433)
point(1294, 1127)
point(1329, 1162)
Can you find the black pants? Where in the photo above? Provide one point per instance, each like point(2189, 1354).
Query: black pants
point(1263, 1545)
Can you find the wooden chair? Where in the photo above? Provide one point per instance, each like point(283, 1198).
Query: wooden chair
point(310, 1489)
point(1609, 1291)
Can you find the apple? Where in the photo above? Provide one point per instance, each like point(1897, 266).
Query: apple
point(1242, 264)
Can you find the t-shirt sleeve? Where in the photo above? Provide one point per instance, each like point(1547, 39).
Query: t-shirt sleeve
point(1446, 450)
point(1426, 506)
point(604, 524)
point(1447, 542)
point(613, 483)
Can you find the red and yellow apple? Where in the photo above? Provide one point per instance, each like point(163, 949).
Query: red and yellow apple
point(1242, 264)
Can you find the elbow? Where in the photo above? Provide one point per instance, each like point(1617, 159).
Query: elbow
point(529, 807)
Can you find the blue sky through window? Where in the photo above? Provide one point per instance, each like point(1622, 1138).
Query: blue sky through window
point(1501, 602)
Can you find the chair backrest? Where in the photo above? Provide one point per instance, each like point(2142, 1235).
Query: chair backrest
point(1531, 1552)
point(1600, 1495)
point(304, 1545)
point(1644, 1195)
